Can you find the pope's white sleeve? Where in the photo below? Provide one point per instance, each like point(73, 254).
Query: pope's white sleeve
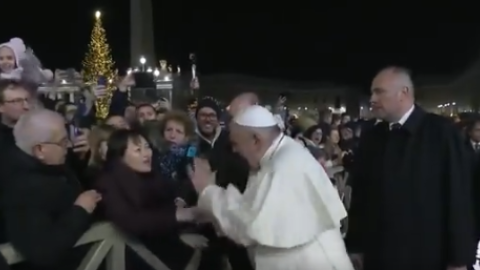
point(225, 205)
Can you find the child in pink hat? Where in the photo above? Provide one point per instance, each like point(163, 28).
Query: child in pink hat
point(15, 58)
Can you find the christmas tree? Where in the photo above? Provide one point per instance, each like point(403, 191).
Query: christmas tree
point(98, 63)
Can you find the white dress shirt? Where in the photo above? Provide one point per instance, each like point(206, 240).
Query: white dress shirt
point(404, 118)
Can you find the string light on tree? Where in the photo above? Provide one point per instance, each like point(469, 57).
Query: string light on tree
point(98, 63)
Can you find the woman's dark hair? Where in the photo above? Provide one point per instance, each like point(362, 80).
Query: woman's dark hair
point(309, 132)
point(118, 143)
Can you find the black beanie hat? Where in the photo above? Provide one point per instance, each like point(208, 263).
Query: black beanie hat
point(208, 103)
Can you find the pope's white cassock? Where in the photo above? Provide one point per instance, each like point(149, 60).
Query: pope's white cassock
point(289, 215)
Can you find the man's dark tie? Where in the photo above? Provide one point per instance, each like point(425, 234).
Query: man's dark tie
point(395, 126)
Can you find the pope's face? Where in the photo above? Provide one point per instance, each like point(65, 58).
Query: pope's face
point(246, 144)
point(7, 59)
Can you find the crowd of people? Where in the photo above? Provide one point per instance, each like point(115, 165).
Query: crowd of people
point(258, 193)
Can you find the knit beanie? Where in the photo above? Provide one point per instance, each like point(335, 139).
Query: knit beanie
point(208, 103)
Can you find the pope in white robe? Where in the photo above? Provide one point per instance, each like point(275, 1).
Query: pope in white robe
point(289, 215)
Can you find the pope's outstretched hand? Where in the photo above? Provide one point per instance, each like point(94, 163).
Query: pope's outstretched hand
point(201, 174)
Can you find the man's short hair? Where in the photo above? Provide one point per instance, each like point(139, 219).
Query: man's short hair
point(471, 124)
point(404, 72)
point(34, 127)
point(6, 84)
point(399, 70)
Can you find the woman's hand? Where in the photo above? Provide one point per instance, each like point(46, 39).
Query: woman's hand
point(179, 202)
point(201, 175)
point(186, 214)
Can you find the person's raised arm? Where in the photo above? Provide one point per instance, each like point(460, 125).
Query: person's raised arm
point(119, 100)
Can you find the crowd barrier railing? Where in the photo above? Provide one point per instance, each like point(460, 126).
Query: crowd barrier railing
point(109, 244)
point(340, 175)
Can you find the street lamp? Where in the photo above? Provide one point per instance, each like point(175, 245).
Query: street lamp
point(156, 73)
point(142, 62)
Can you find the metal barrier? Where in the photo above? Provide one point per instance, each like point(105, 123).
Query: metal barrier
point(109, 244)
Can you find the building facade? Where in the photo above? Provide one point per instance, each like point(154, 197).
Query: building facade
point(309, 94)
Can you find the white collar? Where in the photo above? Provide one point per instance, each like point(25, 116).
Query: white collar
point(272, 149)
point(404, 117)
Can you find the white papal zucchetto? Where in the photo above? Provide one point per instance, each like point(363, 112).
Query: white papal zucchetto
point(255, 116)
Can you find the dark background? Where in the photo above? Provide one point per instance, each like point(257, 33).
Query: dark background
point(303, 40)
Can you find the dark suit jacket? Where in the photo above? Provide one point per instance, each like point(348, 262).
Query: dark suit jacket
point(411, 202)
point(231, 168)
point(475, 162)
point(41, 219)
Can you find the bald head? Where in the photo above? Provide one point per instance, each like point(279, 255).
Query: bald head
point(242, 101)
point(395, 78)
point(392, 93)
point(37, 126)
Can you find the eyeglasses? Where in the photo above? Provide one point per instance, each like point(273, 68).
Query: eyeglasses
point(208, 115)
point(64, 143)
point(18, 101)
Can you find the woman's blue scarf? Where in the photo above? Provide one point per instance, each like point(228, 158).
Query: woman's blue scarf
point(173, 162)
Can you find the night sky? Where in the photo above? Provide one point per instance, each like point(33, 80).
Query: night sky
point(298, 40)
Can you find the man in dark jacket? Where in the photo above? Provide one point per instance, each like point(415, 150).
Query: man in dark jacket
point(15, 100)
point(411, 203)
point(44, 207)
point(214, 143)
point(472, 144)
